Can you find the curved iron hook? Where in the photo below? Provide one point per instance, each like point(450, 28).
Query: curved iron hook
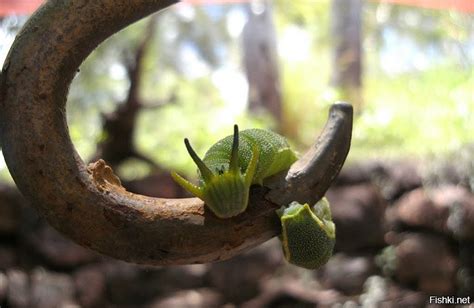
point(88, 204)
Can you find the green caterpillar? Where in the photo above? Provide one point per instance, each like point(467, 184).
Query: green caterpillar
point(238, 161)
point(308, 234)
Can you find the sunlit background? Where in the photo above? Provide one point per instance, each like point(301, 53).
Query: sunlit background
point(403, 204)
point(416, 93)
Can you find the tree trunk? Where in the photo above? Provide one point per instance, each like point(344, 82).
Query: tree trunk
point(261, 62)
point(347, 52)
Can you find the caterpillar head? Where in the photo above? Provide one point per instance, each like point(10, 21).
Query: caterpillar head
point(225, 191)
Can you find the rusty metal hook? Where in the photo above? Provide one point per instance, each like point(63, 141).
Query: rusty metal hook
point(88, 205)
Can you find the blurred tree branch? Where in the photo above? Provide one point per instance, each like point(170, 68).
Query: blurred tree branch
point(119, 126)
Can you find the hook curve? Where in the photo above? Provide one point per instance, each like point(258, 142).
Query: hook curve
point(87, 203)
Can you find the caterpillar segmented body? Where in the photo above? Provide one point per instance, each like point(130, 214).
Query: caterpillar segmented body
point(308, 233)
point(233, 164)
point(238, 161)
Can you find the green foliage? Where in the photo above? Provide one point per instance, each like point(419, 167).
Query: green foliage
point(310, 15)
point(199, 114)
point(301, 93)
point(416, 111)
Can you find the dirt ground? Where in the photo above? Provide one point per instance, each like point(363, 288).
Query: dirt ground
point(401, 238)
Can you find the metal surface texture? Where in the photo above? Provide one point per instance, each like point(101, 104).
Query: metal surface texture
point(86, 203)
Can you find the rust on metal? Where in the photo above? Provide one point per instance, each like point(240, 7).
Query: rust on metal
point(88, 205)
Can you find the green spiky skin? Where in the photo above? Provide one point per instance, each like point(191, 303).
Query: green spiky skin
point(233, 164)
point(227, 194)
point(308, 234)
point(275, 153)
point(236, 162)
